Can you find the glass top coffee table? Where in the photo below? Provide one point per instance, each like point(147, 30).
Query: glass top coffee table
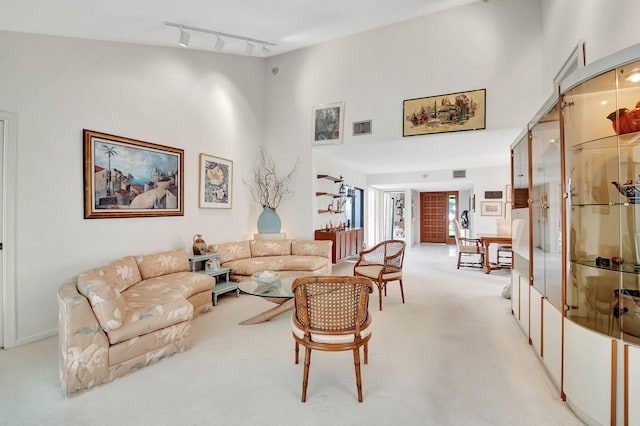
point(278, 292)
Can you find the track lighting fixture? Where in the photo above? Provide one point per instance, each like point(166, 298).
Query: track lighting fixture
point(219, 43)
point(184, 38)
point(248, 49)
point(220, 39)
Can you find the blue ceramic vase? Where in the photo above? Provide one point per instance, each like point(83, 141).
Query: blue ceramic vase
point(268, 222)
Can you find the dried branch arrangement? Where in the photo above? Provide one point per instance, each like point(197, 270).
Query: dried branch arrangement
point(269, 189)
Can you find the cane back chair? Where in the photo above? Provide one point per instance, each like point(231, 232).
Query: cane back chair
point(382, 263)
point(331, 314)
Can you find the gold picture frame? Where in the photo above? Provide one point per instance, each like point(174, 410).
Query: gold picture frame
point(124, 177)
point(453, 112)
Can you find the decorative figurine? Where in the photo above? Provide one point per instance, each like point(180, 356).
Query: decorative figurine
point(199, 245)
point(626, 121)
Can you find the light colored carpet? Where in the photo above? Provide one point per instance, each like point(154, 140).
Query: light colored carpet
point(452, 355)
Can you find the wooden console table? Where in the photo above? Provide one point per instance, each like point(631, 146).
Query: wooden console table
point(346, 244)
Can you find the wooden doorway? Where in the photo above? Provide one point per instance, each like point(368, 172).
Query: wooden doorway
point(437, 211)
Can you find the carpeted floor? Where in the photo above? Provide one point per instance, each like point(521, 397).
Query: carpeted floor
point(452, 355)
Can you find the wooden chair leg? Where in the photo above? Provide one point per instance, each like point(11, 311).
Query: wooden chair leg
point(401, 290)
point(459, 256)
point(356, 363)
point(297, 351)
point(305, 377)
point(380, 295)
point(366, 351)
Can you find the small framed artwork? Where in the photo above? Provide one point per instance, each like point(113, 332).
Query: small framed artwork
point(216, 182)
point(493, 195)
point(328, 123)
point(491, 208)
point(453, 112)
point(508, 192)
point(125, 177)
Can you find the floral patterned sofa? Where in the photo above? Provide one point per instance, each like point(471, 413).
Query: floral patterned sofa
point(289, 257)
point(120, 317)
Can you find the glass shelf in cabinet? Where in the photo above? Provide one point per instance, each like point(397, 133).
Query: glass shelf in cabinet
point(610, 141)
point(627, 268)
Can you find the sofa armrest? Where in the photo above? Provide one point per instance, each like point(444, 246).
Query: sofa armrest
point(312, 248)
point(83, 345)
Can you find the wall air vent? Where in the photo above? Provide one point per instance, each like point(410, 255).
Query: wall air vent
point(361, 128)
point(458, 174)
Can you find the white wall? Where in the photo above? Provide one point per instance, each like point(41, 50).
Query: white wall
point(495, 45)
point(325, 166)
point(197, 101)
point(605, 27)
point(227, 106)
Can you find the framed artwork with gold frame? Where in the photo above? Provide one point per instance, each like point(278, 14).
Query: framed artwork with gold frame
point(124, 177)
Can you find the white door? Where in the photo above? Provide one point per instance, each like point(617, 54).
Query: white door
point(2, 131)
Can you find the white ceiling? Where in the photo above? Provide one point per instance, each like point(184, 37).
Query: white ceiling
point(290, 24)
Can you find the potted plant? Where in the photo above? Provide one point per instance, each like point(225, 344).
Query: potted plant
point(269, 189)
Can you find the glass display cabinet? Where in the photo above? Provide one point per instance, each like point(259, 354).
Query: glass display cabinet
point(601, 119)
point(520, 205)
point(546, 203)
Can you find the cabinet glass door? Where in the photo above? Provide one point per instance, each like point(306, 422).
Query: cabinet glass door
point(546, 207)
point(602, 138)
point(520, 211)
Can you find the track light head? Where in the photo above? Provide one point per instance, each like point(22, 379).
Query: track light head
point(249, 49)
point(265, 50)
point(219, 43)
point(184, 38)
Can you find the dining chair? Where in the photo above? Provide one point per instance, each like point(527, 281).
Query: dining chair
point(468, 247)
point(331, 314)
point(382, 263)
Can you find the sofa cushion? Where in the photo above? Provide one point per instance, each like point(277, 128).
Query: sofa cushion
point(261, 248)
point(122, 273)
point(304, 263)
point(185, 284)
point(232, 251)
point(155, 265)
point(106, 301)
point(255, 264)
point(312, 248)
point(148, 311)
point(276, 263)
point(137, 346)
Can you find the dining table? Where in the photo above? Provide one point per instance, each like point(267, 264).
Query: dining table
point(486, 240)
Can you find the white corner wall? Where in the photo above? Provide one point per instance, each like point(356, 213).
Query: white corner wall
point(201, 102)
point(495, 45)
point(605, 27)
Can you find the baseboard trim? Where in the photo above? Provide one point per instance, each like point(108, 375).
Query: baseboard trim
point(36, 337)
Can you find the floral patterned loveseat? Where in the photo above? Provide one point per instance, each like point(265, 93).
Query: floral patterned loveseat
point(120, 317)
point(289, 257)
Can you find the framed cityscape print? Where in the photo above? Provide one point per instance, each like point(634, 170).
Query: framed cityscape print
point(453, 112)
point(328, 123)
point(124, 177)
point(216, 182)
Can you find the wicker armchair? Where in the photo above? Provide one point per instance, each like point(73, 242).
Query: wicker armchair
point(468, 247)
point(382, 263)
point(331, 314)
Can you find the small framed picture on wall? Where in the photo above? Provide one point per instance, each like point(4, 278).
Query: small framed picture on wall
point(491, 208)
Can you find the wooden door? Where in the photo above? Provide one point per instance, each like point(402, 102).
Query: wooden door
point(433, 217)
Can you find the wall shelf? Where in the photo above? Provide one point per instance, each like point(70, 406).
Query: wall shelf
point(328, 194)
point(331, 178)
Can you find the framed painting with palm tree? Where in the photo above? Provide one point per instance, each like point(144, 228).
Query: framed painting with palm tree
point(125, 177)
